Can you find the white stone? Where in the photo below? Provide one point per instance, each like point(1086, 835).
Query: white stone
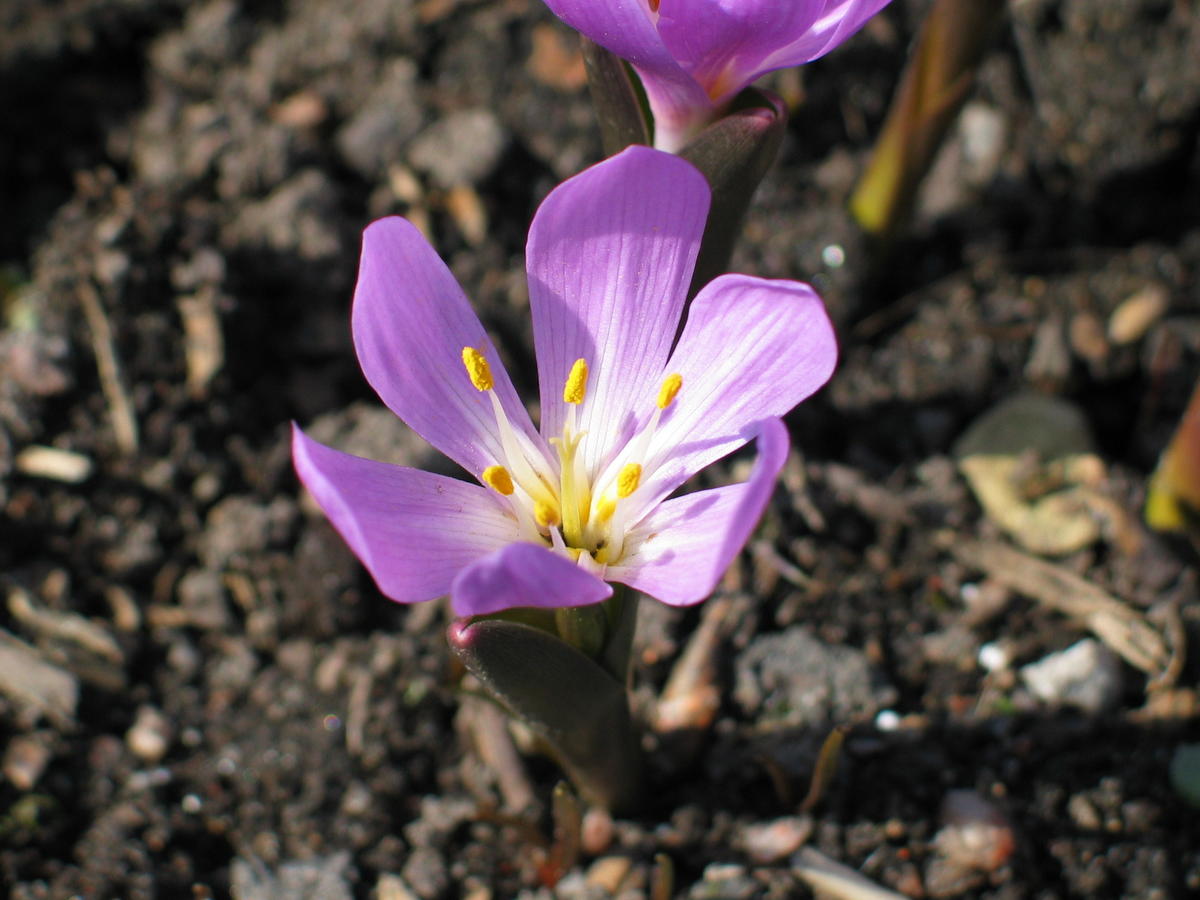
point(994, 657)
point(1086, 675)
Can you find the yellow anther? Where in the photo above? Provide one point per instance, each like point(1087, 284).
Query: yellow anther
point(546, 514)
point(478, 369)
point(670, 388)
point(628, 479)
point(605, 508)
point(576, 387)
point(498, 479)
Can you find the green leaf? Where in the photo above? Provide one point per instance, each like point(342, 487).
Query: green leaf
point(733, 153)
point(569, 701)
point(621, 108)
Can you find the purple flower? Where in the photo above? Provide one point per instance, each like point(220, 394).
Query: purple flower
point(625, 419)
point(693, 56)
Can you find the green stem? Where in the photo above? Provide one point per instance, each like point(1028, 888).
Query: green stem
point(621, 609)
point(583, 627)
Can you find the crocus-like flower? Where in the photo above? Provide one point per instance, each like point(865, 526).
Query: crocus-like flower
point(693, 56)
point(625, 419)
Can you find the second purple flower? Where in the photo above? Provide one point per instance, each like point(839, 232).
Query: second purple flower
point(694, 56)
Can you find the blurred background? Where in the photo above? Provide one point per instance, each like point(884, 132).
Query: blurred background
point(202, 693)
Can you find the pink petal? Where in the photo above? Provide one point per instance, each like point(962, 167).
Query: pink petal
point(411, 322)
point(683, 547)
point(841, 20)
point(627, 28)
point(721, 44)
point(414, 531)
point(523, 574)
point(725, 46)
point(610, 255)
point(752, 349)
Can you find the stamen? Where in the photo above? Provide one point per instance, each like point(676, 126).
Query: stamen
point(573, 486)
point(522, 472)
point(478, 369)
point(605, 507)
point(670, 388)
point(628, 479)
point(639, 446)
point(654, 6)
point(546, 515)
point(576, 387)
point(498, 479)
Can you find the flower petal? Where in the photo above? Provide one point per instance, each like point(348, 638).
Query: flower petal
point(627, 28)
point(841, 21)
point(720, 44)
point(610, 255)
point(752, 349)
point(683, 547)
point(414, 531)
point(725, 46)
point(523, 574)
point(411, 322)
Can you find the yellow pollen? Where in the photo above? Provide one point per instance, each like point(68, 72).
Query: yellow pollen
point(498, 479)
point(546, 515)
point(576, 387)
point(605, 509)
point(670, 388)
point(628, 479)
point(478, 369)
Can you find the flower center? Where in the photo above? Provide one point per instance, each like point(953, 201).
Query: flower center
point(568, 507)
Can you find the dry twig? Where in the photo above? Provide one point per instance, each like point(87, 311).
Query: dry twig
point(1124, 629)
point(120, 407)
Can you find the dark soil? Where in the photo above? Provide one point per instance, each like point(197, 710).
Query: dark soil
point(204, 694)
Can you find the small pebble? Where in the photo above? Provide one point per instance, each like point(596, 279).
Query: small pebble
point(975, 834)
point(127, 616)
point(1084, 813)
point(1131, 320)
point(555, 61)
point(983, 131)
point(608, 872)
point(994, 657)
point(304, 109)
point(769, 842)
point(149, 737)
point(887, 720)
point(392, 887)
point(1086, 334)
point(25, 760)
point(596, 831)
point(52, 463)
point(463, 147)
point(725, 880)
point(1086, 675)
point(895, 829)
point(1049, 361)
